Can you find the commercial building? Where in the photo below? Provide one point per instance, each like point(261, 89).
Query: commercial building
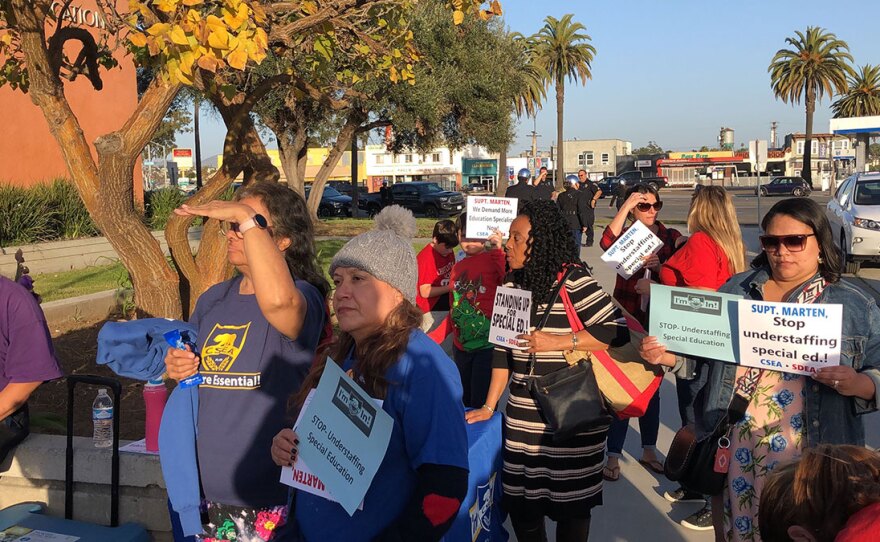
point(831, 157)
point(600, 157)
point(28, 152)
point(315, 158)
point(451, 169)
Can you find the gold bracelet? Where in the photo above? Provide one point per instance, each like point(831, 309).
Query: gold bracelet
point(490, 409)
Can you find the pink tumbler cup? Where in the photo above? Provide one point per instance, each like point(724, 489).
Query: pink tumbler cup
point(155, 395)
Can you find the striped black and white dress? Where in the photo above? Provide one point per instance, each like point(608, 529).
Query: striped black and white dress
point(543, 478)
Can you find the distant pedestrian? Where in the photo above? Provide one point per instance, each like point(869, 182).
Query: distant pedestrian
point(574, 208)
point(590, 192)
point(385, 195)
point(523, 191)
point(619, 195)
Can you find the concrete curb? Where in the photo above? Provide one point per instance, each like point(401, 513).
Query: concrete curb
point(85, 307)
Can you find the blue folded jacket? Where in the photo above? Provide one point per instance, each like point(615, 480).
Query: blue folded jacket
point(136, 349)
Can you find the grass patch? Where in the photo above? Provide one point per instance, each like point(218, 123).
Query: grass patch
point(349, 227)
point(55, 286)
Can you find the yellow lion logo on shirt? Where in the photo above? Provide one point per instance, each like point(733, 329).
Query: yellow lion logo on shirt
point(223, 345)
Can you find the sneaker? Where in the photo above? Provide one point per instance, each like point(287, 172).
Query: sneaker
point(699, 521)
point(683, 495)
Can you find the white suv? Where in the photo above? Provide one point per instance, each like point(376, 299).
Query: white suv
point(854, 212)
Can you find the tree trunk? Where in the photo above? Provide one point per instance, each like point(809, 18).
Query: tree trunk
point(343, 140)
point(106, 186)
point(293, 156)
point(197, 105)
point(807, 170)
point(501, 187)
point(560, 156)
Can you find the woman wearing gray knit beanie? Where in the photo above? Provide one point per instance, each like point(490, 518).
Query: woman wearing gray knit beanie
point(422, 481)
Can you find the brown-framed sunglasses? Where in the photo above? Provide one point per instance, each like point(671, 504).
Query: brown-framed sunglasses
point(645, 207)
point(792, 243)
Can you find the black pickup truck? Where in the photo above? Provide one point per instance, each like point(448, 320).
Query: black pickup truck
point(630, 178)
point(418, 197)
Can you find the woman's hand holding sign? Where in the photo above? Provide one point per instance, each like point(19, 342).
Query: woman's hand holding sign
point(284, 448)
point(655, 353)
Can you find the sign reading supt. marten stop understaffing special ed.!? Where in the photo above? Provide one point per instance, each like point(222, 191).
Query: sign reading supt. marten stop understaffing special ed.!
point(626, 256)
point(789, 337)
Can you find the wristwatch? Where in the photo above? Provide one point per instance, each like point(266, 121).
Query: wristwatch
point(256, 221)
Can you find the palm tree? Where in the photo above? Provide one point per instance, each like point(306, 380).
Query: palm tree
point(817, 64)
point(528, 95)
point(564, 51)
point(863, 97)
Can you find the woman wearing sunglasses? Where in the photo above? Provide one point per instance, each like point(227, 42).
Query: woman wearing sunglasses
point(257, 336)
point(643, 205)
point(713, 252)
point(800, 263)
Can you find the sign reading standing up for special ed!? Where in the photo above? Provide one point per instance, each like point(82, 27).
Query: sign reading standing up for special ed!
point(511, 316)
point(789, 337)
point(485, 215)
point(626, 255)
point(343, 436)
point(695, 322)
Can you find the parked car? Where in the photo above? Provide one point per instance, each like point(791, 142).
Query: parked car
point(785, 186)
point(332, 203)
point(418, 197)
point(854, 213)
point(344, 187)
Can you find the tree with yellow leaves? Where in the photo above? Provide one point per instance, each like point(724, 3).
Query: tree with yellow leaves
point(214, 46)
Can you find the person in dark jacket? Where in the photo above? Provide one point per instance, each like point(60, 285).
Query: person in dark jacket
point(385, 195)
point(591, 193)
point(543, 188)
point(522, 190)
point(574, 208)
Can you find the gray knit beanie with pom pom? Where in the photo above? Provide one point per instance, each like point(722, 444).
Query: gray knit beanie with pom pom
point(386, 252)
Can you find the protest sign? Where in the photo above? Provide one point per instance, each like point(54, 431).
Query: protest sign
point(694, 322)
point(487, 214)
point(343, 436)
point(626, 254)
point(511, 316)
point(789, 337)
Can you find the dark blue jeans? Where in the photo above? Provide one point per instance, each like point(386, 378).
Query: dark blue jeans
point(577, 234)
point(649, 426)
point(687, 391)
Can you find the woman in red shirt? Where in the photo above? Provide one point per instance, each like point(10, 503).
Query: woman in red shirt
point(712, 254)
point(642, 204)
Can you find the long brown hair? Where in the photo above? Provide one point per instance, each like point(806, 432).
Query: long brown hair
point(819, 492)
point(372, 357)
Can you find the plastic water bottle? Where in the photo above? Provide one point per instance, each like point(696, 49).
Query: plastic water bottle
point(102, 419)
point(155, 395)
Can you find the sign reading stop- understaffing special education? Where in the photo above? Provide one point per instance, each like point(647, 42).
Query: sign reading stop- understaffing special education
point(511, 316)
point(626, 256)
point(694, 322)
point(485, 215)
point(343, 436)
point(789, 337)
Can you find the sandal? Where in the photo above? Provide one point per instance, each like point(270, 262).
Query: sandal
point(652, 465)
point(612, 474)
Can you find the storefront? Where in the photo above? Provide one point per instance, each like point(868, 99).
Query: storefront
point(479, 172)
point(686, 168)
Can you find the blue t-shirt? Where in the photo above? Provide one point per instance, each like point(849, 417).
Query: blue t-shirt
point(250, 370)
point(424, 400)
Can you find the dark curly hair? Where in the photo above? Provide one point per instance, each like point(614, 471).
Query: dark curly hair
point(549, 247)
point(290, 219)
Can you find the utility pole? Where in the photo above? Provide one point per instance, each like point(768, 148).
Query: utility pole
point(535, 137)
point(773, 135)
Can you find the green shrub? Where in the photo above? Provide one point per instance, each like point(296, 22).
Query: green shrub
point(24, 217)
point(70, 218)
point(159, 204)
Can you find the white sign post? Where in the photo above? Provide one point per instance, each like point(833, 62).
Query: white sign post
point(626, 255)
point(511, 316)
point(758, 156)
point(485, 215)
point(789, 337)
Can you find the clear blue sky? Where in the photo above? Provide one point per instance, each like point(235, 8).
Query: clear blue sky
point(675, 71)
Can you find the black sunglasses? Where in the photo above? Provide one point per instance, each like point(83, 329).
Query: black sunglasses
point(792, 243)
point(226, 226)
point(645, 207)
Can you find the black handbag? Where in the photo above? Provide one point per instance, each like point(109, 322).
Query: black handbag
point(13, 430)
point(569, 399)
point(691, 462)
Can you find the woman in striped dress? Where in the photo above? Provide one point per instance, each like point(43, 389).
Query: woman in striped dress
point(542, 479)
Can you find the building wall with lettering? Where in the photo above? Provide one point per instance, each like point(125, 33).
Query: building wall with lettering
point(28, 152)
